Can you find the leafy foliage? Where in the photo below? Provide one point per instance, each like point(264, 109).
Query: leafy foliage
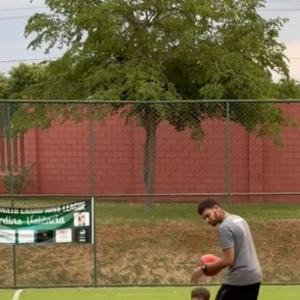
point(288, 89)
point(18, 181)
point(164, 51)
point(23, 79)
point(3, 86)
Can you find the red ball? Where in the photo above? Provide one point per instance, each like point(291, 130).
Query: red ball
point(206, 259)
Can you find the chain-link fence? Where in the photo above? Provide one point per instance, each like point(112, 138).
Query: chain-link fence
point(147, 165)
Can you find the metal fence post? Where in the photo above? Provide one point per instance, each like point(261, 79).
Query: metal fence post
point(11, 183)
point(92, 169)
point(228, 154)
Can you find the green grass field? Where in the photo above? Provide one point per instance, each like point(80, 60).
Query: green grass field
point(116, 212)
point(119, 213)
point(267, 293)
point(144, 242)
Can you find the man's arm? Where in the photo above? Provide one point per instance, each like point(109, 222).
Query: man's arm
point(227, 243)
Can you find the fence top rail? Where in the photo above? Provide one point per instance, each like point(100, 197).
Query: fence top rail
point(88, 101)
point(151, 195)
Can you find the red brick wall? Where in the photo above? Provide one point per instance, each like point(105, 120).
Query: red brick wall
point(63, 160)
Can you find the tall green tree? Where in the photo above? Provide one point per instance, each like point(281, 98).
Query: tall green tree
point(23, 79)
point(288, 89)
point(161, 52)
point(21, 83)
point(4, 81)
point(3, 86)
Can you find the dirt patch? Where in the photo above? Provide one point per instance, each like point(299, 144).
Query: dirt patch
point(153, 254)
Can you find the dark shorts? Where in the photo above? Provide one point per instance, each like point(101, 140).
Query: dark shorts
point(235, 292)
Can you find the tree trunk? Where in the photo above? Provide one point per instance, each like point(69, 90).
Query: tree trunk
point(149, 158)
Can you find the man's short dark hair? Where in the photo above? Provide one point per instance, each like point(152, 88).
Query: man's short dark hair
point(207, 204)
point(200, 293)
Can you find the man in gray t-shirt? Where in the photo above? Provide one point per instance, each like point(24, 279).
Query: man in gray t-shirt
point(239, 254)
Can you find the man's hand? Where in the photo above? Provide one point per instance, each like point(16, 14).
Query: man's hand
point(197, 274)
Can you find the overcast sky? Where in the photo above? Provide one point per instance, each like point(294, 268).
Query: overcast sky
point(14, 15)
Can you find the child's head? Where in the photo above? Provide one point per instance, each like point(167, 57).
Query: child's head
point(200, 293)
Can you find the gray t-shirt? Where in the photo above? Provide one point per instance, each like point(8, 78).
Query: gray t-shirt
point(234, 232)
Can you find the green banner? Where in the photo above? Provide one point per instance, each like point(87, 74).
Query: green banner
point(67, 223)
